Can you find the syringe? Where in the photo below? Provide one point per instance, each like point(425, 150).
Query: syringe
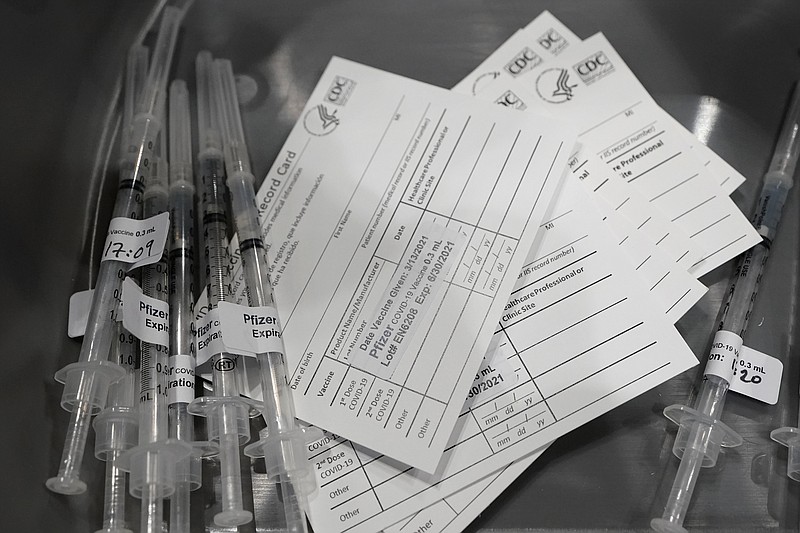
point(701, 433)
point(284, 444)
point(226, 412)
point(152, 463)
point(181, 296)
point(790, 436)
point(117, 426)
point(86, 381)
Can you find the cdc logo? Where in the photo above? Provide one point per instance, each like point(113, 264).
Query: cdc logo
point(509, 99)
point(525, 60)
point(340, 90)
point(594, 67)
point(553, 85)
point(319, 121)
point(552, 41)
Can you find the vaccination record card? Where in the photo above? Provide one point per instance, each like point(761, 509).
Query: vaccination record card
point(400, 215)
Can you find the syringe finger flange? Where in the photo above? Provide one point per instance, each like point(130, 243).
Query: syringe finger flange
point(88, 382)
point(116, 430)
point(286, 453)
point(225, 414)
point(154, 464)
point(789, 437)
point(189, 469)
point(700, 431)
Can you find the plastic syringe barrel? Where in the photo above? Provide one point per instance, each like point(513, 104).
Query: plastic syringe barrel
point(701, 433)
point(226, 412)
point(284, 446)
point(181, 294)
point(153, 357)
point(214, 190)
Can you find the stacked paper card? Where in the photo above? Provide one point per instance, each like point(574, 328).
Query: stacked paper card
point(462, 282)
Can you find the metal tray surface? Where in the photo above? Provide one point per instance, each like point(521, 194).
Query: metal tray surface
point(724, 68)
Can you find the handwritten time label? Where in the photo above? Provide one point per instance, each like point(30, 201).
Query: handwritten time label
point(139, 242)
point(250, 330)
point(748, 371)
point(757, 375)
point(144, 316)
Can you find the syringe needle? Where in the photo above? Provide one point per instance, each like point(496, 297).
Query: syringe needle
point(701, 433)
point(86, 382)
point(226, 412)
point(284, 443)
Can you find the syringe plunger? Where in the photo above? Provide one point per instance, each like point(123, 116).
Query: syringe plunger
point(85, 392)
point(227, 419)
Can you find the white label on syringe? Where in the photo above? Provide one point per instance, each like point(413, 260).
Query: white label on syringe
point(140, 242)
point(180, 383)
point(209, 336)
point(250, 330)
point(79, 305)
point(144, 316)
point(757, 375)
point(722, 357)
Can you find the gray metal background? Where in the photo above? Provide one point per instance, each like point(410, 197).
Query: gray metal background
point(723, 67)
